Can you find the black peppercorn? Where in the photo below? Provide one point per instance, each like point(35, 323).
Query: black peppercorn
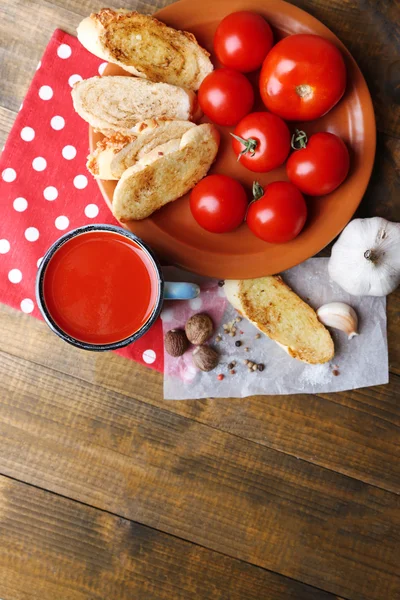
point(260, 367)
point(238, 343)
point(221, 283)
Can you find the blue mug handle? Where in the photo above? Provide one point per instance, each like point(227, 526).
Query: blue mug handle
point(179, 290)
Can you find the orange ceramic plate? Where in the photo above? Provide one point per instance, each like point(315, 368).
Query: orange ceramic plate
point(173, 232)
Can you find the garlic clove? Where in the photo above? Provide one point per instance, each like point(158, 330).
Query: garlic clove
point(339, 316)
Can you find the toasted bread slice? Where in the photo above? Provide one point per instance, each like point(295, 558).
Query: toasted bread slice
point(114, 154)
point(118, 103)
point(165, 174)
point(145, 47)
point(279, 313)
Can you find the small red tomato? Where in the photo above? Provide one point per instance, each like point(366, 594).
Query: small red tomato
point(218, 203)
point(226, 96)
point(278, 214)
point(242, 41)
point(302, 77)
point(320, 164)
point(261, 141)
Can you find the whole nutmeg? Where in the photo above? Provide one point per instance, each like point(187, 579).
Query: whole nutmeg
point(176, 342)
point(199, 328)
point(205, 358)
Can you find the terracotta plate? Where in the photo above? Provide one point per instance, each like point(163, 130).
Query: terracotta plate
point(172, 231)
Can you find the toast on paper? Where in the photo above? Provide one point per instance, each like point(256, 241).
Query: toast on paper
point(284, 317)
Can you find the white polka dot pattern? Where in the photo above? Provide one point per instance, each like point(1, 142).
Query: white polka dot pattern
point(91, 211)
point(27, 134)
point(45, 92)
point(4, 246)
point(64, 51)
point(80, 182)
point(39, 163)
point(20, 204)
point(15, 276)
point(68, 152)
point(50, 193)
point(61, 222)
point(74, 79)
point(57, 122)
point(9, 175)
point(27, 305)
point(149, 356)
point(32, 234)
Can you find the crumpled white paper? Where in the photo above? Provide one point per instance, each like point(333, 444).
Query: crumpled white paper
point(360, 362)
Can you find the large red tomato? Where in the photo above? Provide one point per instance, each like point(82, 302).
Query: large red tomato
point(261, 141)
point(242, 41)
point(218, 203)
point(226, 96)
point(320, 165)
point(278, 214)
point(302, 77)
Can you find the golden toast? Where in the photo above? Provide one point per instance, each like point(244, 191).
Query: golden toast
point(116, 153)
point(165, 174)
point(118, 103)
point(145, 47)
point(284, 317)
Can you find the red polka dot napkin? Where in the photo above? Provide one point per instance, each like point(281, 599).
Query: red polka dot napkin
point(45, 188)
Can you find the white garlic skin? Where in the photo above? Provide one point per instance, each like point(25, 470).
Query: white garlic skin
point(339, 316)
point(365, 261)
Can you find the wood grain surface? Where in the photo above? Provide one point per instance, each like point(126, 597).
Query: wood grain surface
point(109, 492)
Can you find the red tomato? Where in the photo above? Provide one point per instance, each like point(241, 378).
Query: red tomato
point(278, 214)
point(242, 41)
point(218, 203)
point(320, 166)
point(226, 96)
point(302, 77)
point(261, 141)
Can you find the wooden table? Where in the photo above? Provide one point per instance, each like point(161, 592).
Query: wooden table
point(108, 491)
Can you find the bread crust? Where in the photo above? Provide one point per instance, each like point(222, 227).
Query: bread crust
point(165, 174)
point(116, 153)
point(118, 103)
point(270, 304)
point(146, 47)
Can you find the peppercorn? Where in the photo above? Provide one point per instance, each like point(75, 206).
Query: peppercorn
point(220, 377)
point(260, 367)
point(232, 364)
point(238, 343)
point(221, 283)
point(232, 371)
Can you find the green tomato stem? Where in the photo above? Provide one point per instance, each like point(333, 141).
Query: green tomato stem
point(299, 140)
point(250, 145)
point(258, 191)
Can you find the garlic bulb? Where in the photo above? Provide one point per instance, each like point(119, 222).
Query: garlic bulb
point(340, 316)
point(365, 260)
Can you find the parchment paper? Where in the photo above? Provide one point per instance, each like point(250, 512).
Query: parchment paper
point(360, 362)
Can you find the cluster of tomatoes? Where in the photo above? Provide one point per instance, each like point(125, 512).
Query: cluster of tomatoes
point(302, 77)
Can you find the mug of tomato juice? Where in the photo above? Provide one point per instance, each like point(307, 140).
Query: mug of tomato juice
point(100, 287)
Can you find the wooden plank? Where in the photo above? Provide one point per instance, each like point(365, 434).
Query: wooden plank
point(200, 484)
point(53, 548)
point(355, 433)
point(7, 118)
